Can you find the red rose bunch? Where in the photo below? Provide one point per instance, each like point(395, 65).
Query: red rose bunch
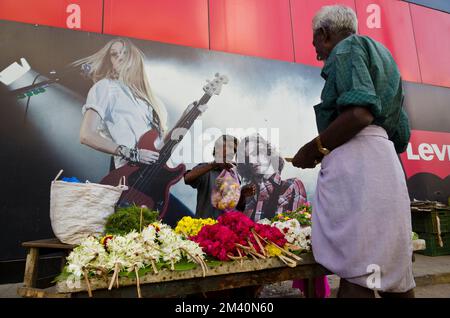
point(239, 223)
point(271, 233)
point(242, 226)
point(217, 240)
point(235, 233)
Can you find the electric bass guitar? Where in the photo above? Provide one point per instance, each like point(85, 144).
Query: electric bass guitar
point(149, 185)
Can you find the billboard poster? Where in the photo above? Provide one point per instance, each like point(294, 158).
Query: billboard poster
point(264, 104)
point(68, 98)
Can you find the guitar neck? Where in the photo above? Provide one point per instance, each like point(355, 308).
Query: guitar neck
point(181, 129)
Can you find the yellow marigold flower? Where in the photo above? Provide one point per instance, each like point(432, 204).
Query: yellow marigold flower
point(273, 250)
point(189, 226)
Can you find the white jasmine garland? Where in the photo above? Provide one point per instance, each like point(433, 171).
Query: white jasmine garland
point(136, 251)
point(294, 233)
point(149, 234)
point(89, 252)
point(151, 247)
point(192, 249)
point(124, 251)
point(86, 257)
point(170, 245)
point(131, 252)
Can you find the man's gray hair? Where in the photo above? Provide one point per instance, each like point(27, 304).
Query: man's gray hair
point(336, 19)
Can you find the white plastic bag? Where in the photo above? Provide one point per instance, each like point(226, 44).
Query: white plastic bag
point(78, 210)
point(226, 191)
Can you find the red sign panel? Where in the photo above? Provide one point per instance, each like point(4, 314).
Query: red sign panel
point(428, 151)
point(303, 12)
point(252, 27)
point(432, 32)
point(171, 21)
point(84, 15)
point(389, 22)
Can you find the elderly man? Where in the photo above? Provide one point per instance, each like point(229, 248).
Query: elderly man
point(361, 213)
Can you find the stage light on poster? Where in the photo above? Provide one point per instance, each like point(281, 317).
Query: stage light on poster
point(14, 72)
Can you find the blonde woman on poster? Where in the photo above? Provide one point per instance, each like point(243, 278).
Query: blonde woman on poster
point(120, 110)
point(120, 106)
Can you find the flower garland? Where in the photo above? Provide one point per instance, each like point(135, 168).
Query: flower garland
point(295, 234)
point(173, 246)
point(152, 252)
point(86, 258)
point(131, 252)
point(125, 253)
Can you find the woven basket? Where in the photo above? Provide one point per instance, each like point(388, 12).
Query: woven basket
point(78, 210)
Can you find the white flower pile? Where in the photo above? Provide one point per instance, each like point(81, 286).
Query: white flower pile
point(131, 252)
point(294, 233)
point(126, 251)
point(152, 250)
point(191, 249)
point(85, 258)
point(170, 245)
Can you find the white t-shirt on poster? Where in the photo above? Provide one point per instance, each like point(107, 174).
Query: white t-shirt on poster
point(125, 117)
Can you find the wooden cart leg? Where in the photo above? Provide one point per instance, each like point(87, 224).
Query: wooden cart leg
point(63, 259)
point(310, 288)
point(31, 267)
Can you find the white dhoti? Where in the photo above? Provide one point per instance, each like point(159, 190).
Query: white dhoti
point(361, 214)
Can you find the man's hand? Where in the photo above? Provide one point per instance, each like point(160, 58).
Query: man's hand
point(308, 156)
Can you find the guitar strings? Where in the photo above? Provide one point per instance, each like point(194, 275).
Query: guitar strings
point(191, 116)
point(154, 168)
point(148, 171)
point(151, 170)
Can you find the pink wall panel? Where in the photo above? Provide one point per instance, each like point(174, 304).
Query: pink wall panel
point(252, 27)
point(303, 12)
point(417, 37)
point(172, 21)
point(432, 33)
point(56, 13)
point(389, 22)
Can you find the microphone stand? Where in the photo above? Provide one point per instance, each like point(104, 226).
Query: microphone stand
point(31, 87)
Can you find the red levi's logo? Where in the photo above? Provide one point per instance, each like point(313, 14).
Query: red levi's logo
point(428, 151)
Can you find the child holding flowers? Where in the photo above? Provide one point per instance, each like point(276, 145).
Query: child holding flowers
point(203, 177)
